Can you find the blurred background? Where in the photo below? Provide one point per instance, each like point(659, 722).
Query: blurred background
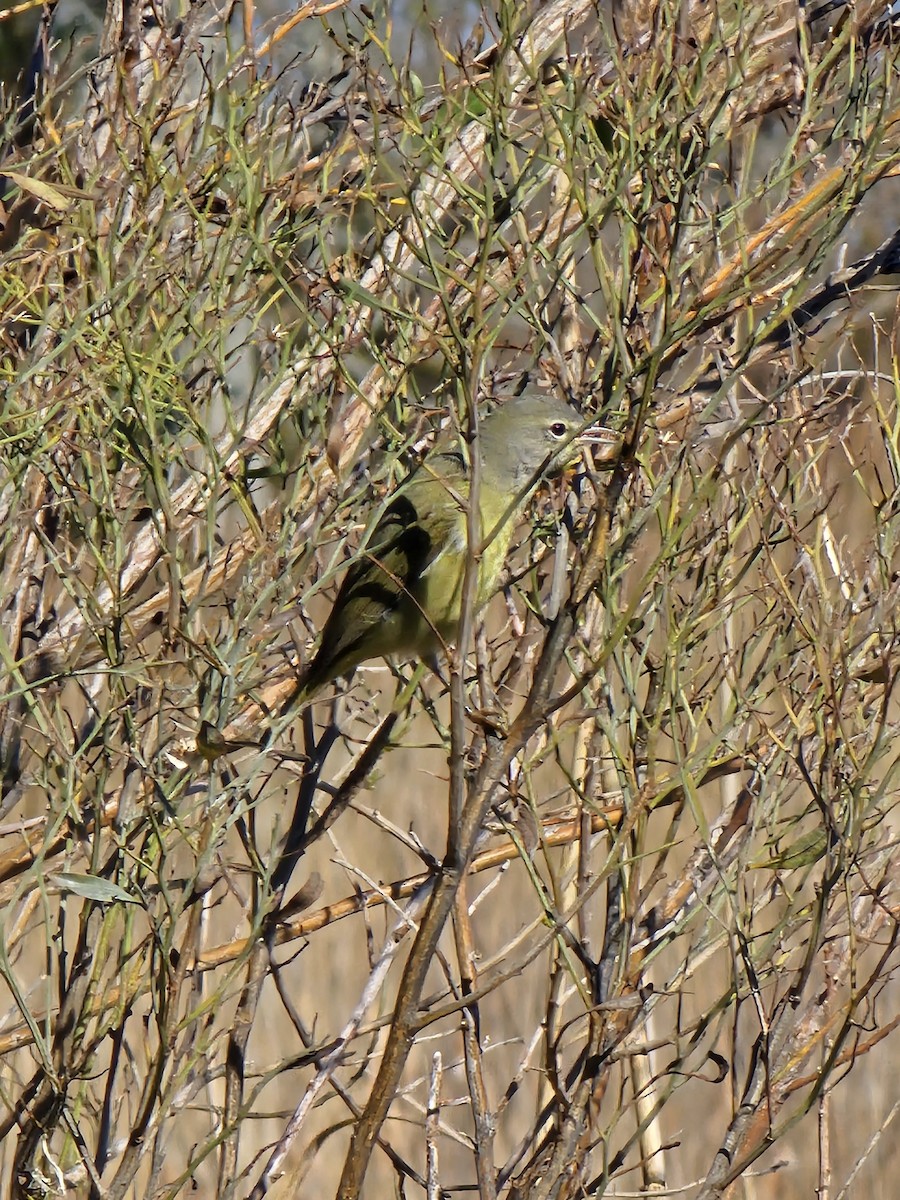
point(252, 260)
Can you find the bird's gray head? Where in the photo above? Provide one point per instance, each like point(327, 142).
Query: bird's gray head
point(527, 436)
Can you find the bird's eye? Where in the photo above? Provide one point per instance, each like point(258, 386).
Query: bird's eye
point(558, 429)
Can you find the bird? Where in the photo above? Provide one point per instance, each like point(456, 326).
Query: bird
point(211, 743)
point(403, 594)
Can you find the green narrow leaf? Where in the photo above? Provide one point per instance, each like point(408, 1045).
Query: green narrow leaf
point(91, 887)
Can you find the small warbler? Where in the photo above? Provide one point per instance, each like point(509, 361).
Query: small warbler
point(403, 594)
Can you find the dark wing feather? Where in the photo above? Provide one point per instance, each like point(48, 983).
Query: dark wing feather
point(376, 611)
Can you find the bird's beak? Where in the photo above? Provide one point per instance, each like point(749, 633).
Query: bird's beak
point(607, 442)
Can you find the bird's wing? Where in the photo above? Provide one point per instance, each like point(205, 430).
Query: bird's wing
point(425, 520)
point(417, 527)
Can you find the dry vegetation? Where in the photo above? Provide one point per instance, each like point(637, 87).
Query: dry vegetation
point(609, 906)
